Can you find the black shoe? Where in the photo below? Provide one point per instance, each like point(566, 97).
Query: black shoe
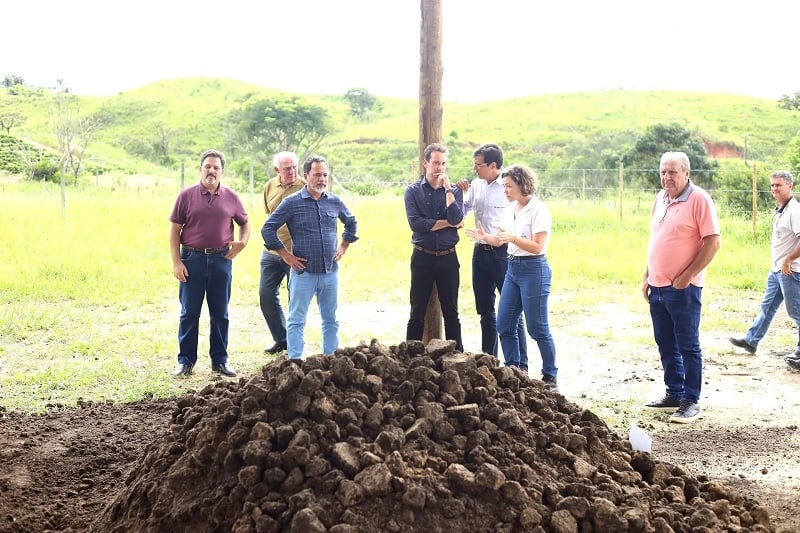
point(550, 382)
point(741, 343)
point(223, 369)
point(667, 403)
point(686, 413)
point(184, 369)
point(278, 347)
point(792, 362)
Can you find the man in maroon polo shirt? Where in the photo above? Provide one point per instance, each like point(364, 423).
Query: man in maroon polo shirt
point(202, 247)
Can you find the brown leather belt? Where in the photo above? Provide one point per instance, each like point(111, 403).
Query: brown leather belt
point(434, 252)
point(207, 251)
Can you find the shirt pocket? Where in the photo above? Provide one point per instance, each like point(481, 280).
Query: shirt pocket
point(328, 219)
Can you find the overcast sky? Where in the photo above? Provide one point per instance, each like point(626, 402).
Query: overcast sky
point(492, 49)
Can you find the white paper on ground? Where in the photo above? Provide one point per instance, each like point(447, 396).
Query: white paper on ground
point(640, 440)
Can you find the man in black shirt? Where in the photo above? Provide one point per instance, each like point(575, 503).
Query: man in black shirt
point(435, 211)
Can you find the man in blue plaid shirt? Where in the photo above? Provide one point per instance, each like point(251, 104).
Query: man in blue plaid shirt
point(310, 215)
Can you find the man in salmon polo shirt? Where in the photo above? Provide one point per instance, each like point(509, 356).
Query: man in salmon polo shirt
point(684, 237)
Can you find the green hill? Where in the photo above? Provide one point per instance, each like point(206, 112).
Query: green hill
point(548, 132)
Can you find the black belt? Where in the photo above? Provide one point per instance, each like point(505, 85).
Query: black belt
point(540, 257)
point(434, 252)
point(207, 251)
point(489, 247)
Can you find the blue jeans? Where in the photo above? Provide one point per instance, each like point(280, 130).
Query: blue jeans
point(780, 288)
point(304, 286)
point(489, 265)
point(676, 328)
point(527, 289)
point(209, 278)
point(273, 270)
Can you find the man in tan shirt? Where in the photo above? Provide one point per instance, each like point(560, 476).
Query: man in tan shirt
point(273, 268)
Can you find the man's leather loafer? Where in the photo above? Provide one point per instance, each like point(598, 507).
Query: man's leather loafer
point(223, 369)
point(741, 343)
point(278, 347)
point(183, 369)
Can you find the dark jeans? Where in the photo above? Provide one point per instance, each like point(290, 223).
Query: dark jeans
point(273, 271)
point(489, 265)
point(444, 271)
point(210, 279)
point(676, 328)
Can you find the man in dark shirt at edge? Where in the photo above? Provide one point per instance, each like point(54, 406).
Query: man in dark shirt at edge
point(435, 212)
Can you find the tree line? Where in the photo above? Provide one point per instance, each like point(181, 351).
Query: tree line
point(258, 126)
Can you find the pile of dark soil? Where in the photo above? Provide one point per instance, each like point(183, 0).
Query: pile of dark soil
point(406, 439)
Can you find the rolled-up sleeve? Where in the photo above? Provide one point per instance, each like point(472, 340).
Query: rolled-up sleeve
point(350, 224)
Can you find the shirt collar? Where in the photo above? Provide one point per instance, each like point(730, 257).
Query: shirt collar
point(218, 192)
point(779, 208)
point(683, 197)
point(305, 194)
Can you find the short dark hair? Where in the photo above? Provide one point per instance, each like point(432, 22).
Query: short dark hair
point(310, 160)
point(213, 153)
point(525, 178)
point(491, 153)
point(434, 147)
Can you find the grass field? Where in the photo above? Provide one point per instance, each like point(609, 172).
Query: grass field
point(88, 303)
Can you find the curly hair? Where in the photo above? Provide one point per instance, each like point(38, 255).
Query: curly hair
point(525, 178)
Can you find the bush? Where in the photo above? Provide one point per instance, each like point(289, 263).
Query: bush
point(46, 170)
point(736, 185)
point(364, 188)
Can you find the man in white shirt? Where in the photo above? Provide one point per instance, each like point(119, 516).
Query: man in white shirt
point(783, 279)
point(486, 198)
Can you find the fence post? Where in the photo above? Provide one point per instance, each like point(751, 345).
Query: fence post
point(252, 187)
point(621, 181)
point(583, 185)
point(755, 201)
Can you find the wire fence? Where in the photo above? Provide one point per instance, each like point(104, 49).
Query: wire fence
point(747, 193)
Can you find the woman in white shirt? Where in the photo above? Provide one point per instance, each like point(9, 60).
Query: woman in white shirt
point(526, 288)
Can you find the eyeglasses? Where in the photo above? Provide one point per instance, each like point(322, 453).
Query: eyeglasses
point(479, 165)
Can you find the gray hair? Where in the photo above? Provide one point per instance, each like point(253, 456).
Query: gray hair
point(680, 157)
point(276, 161)
point(785, 175)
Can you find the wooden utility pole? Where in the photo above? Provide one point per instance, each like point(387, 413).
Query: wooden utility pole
point(430, 120)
